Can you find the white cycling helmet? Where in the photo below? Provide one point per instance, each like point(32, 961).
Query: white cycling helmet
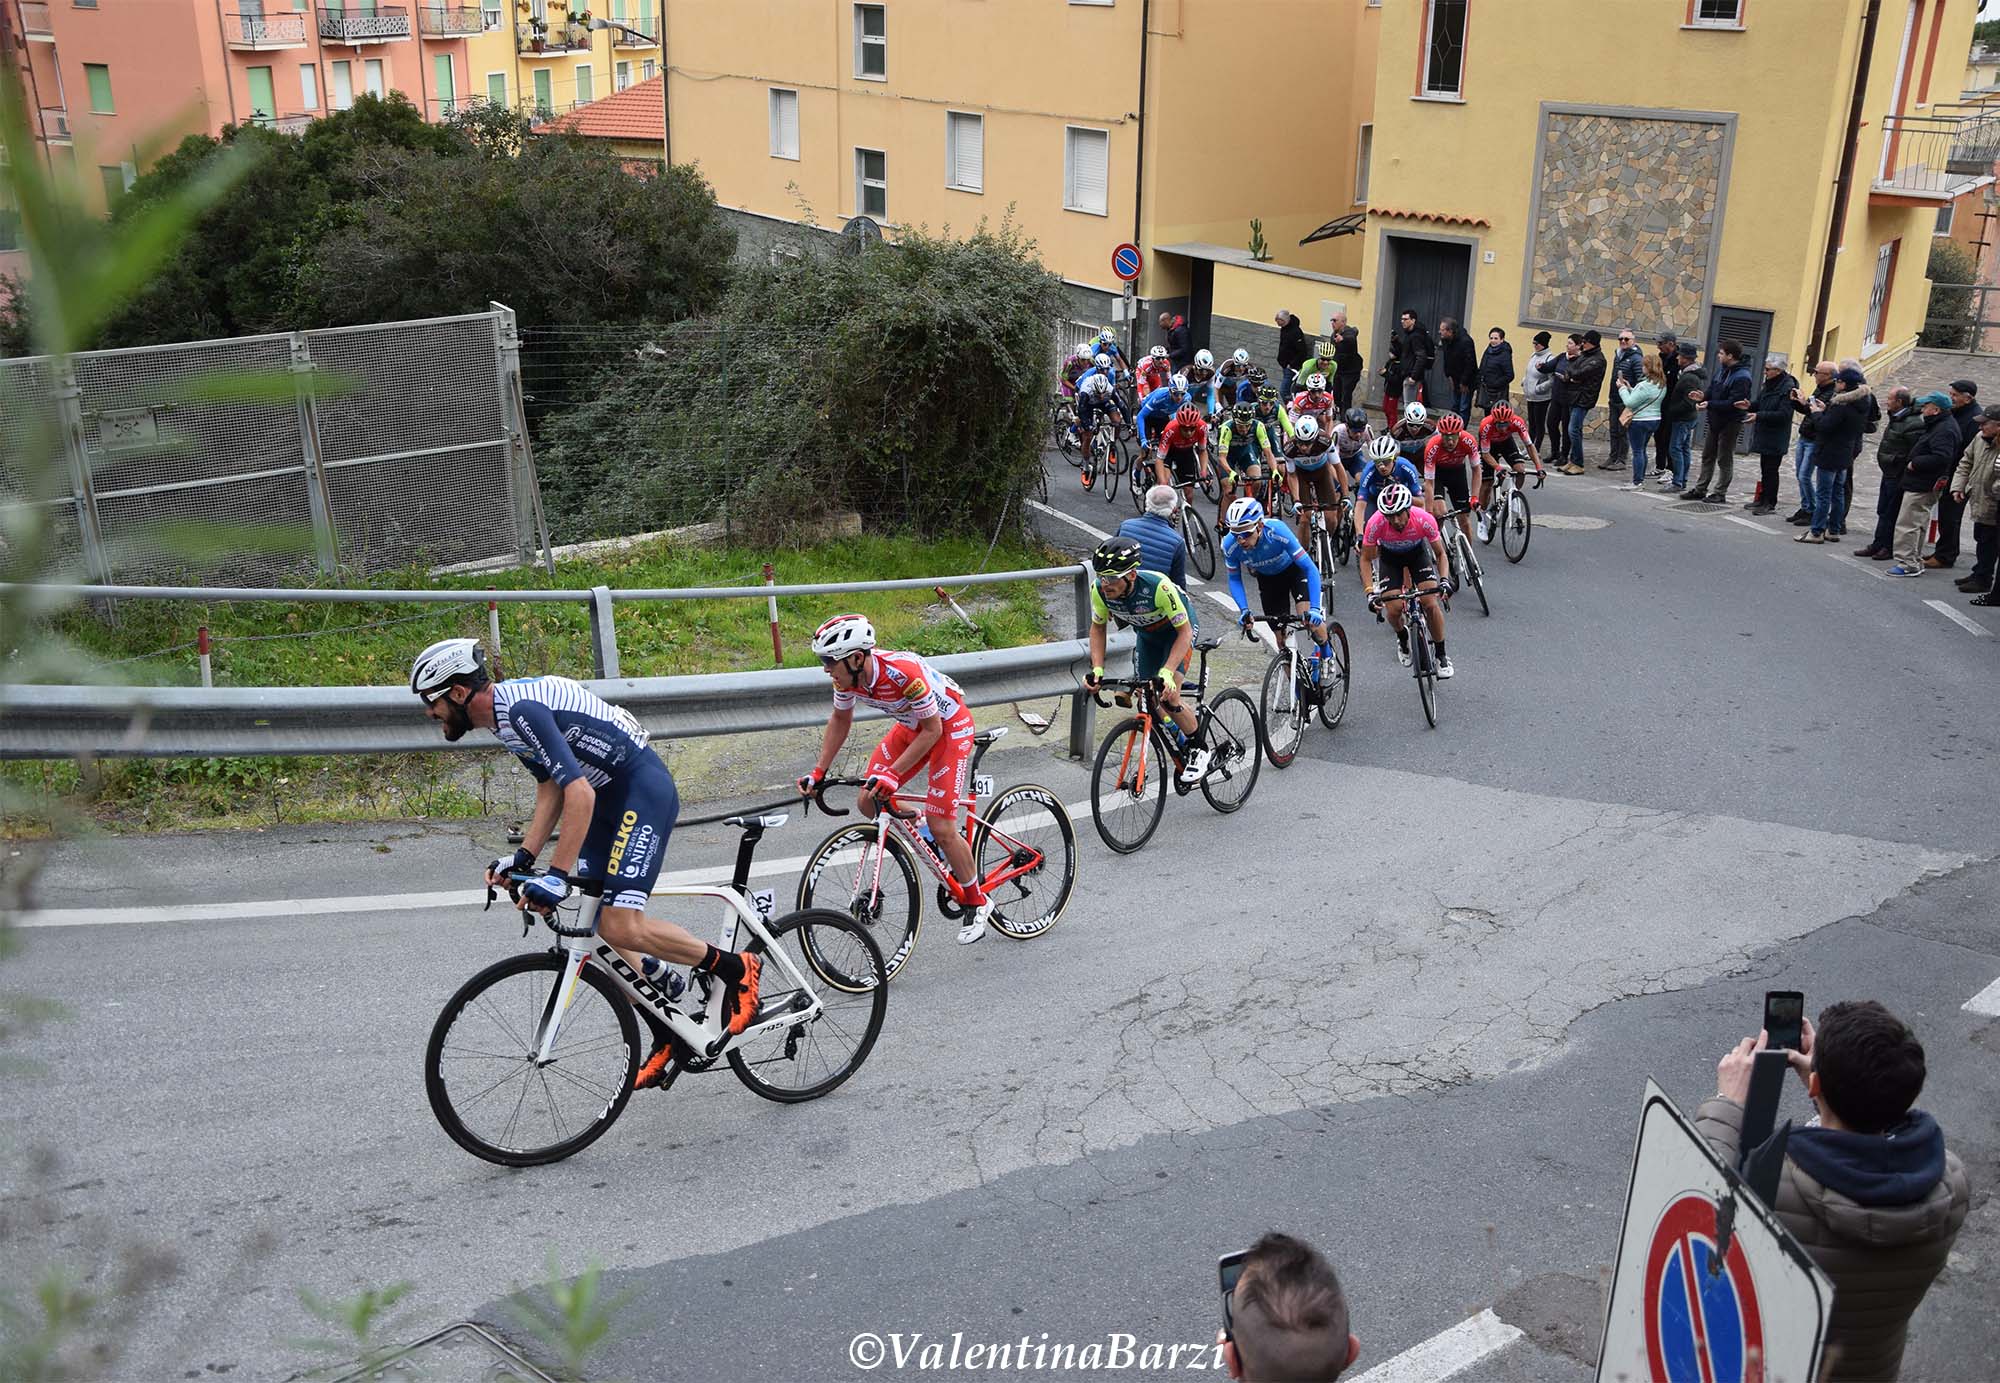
point(1158, 352)
point(1097, 384)
point(1316, 383)
point(1381, 449)
point(1242, 357)
point(1394, 499)
point(1415, 413)
point(1244, 515)
point(843, 635)
point(444, 663)
point(1178, 383)
point(1307, 428)
point(1103, 361)
point(1205, 358)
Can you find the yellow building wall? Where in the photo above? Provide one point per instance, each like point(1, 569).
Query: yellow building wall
point(494, 51)
point(1255, 294)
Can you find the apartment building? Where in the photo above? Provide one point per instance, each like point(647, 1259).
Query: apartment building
point(548, 58)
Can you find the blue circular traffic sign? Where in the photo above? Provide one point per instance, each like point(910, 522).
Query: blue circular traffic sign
point(1126, 261)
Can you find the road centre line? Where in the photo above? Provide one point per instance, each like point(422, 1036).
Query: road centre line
point(1446, 1353)
point(1986, 1002)
point(1959, 618)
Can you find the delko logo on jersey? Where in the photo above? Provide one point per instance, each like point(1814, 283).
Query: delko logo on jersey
point(621, 840)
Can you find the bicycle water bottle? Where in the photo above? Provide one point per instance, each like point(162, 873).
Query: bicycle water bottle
point(924, 831)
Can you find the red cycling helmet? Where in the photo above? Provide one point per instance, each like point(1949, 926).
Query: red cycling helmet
point(1503, 412)
point(1450, 425)
point(1188, 416)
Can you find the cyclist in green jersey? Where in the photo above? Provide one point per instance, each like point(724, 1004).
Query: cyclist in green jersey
point(1245, 448)
point(1154, 609)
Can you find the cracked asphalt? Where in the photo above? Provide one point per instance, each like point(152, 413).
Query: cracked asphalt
point(1404, 1003)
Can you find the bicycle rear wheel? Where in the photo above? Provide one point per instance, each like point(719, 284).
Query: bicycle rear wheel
point(1517, 525)
point(1233, 735)
point(481, 1075)
point(1026, 828)
point(1112, 473)
point(1333, 678)
point(1207, 484)
point(1283, 712)
point(804, 1060)
point(1128, 786)
point(842, 874)
point(1141, 476)
point(1200, 543)
point(1478, 583)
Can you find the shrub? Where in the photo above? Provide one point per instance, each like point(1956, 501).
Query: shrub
point(1949, 320)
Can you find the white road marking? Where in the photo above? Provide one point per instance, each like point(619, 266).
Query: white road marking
point(1878, 573)
point(1228, 603)
point(1447, 1353)
point(1654, 494)
point(1986, 1002)
point(1749, 523)
point(1959, 618)
point(1056, 513)
point(380, 902)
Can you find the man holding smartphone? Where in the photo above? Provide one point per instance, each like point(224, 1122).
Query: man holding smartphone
point(1284, 1315)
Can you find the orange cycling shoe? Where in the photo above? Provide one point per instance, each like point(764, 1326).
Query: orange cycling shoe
point(743, 997)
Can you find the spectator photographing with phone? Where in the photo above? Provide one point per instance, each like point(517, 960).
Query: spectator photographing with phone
point(1284, 1316)
point(1868, 1187)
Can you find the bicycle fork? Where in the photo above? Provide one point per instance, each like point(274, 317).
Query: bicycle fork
point(576, 955)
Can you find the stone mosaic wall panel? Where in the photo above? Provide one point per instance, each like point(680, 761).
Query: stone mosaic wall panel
point(1625, 223)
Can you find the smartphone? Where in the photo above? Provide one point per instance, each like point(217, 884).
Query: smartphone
point(1784, 1018)
point(1228, 1268)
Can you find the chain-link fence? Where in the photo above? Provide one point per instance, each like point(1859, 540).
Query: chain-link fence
point(351, 449)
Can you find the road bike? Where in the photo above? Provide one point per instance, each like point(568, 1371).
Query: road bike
point(1062, 427)
point(1423, 658)
point(1146, 751)
point(1195, 534)
point(1298, 685)
point(1508, 515)
point(1023, 846)
point(1323, 537)
point(1465, 568)
point(1107, 456)
point(534, 1057)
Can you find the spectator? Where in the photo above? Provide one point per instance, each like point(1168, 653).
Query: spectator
point(1680, 413)
point(1726, 397)
point(1292, 353)
point(1565, 368)
point(1972, 486)
point(1841, 421)
point(1802, 461)
point(1346, 359)
point(1641, 414)
point(1159, 540)
point(1950, 512)
point(1287, 1315)
point(1868, 1188)
point(1461, 366)
point(1180, 345)
point(1899, 434)
point(1932, 461)
point(1585, 384)
point(1496, 370)
point(1670, 366)
point(1411, 346)
point(1538, 386)
point(1393, 379)
point(1625, 371)
point(1771, 430)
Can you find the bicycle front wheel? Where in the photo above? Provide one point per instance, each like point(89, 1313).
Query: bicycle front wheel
point(1478, 584)
point(1128, 786)
point(804, 1060)
point(1110, 475)
point(485, 1085)
point(1333, 678)
point(874, 881)
point(1025, 855)
point(1517, 525)
point(1283, 718)
point(1201, 545)
point(1233, 735)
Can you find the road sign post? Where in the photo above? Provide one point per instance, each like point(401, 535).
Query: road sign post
point(1127, 263)
point(1708, 1284)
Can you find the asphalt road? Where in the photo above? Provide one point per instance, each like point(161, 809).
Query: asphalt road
point(1405, 1004)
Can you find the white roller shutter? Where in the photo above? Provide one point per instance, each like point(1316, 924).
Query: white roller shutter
point(1086, 170)
point(965, 152)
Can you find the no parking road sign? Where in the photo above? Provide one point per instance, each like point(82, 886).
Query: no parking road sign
point(1708, 1286)
point(1126, 262)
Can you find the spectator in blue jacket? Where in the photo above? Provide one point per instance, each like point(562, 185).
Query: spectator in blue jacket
point(1727, 402)
point(1159, 539)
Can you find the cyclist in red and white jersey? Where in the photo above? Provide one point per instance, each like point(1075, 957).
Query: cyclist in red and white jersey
point(1153, 372)
point(933, 733)
point(1449, 460)
point(1503, 441)
point(1313, 401)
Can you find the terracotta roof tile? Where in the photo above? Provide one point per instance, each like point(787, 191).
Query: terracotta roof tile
point(1443, 218)
point(632, 114)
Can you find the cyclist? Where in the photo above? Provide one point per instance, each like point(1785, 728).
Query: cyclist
point(1350, 435)
point(1157, 409)
point(1245, 448)
point(933, 734)
point(1181, 456)
point(1074, 368)
point(1095, 394)
point(1384, 466)
point(1313, 401)
point(1153, 372)
point(1277, 422)
point(1405, 539)
point(1153, 608)
point(1229, 379)
point(1449, 459)
point(1321, 363)
point(1288, 579)
point(1107, 344)
point(1201, 382)
point(1413, 430)
point(598, 778)
point(1504, 441)
point(1314, 468)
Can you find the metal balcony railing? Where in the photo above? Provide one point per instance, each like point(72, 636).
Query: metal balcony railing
point(35, 21)
point(1940, 155)
point(383, 25)
point(55, 125)
point(287, 124)
point(639, 31)
point(552, 38)
point(247, 29)
point(448, 21)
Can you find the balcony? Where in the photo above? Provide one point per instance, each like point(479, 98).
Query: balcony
point(388, 24)
point(638, 31)
point(1928, 160)
point(248, 31)
point(440, 21)
point(286, 124)
point(55, 125)
point(36, 26)
point(532, 38)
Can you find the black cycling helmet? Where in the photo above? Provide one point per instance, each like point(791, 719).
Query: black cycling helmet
point(1267, 393)
point(1355, 418)
point(1116, 557)
point(1257, 376)
point(1245, 412)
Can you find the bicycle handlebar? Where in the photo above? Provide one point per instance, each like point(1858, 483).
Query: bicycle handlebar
point(819, 798)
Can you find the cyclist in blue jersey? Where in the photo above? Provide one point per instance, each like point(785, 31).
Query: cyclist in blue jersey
point(598, 778)
point(1288, 580)
point(1157, 409)
point(1107, 344)
point(1383, 466)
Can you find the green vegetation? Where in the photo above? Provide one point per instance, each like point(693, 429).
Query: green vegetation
point(1949, 321)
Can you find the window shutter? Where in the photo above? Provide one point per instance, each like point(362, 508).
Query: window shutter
point(1087, 172)
point(784, 123)
point(968, 152)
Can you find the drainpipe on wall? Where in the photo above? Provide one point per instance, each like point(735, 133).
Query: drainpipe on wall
point(1139, 174)
point(666, 101)
point(1843, 183)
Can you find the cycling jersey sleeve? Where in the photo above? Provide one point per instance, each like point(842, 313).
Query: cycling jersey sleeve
point(1169, 605)
point(536, 725)
point(1232, 559)
point(1100, 613)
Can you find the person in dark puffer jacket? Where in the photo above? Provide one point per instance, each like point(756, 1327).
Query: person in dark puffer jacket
point(1868, 1188)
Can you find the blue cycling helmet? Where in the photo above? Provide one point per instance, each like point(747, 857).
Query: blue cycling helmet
point(1245, 515)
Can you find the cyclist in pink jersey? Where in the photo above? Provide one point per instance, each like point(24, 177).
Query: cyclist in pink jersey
point(1406, 541)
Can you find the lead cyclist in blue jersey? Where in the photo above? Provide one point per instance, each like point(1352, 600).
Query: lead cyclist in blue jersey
point(1157, 409)
point(596, 776)
point(1384, 467)
point(1288, 580)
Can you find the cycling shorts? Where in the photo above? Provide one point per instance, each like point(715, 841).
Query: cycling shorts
point(1454, 484)
point(1318, 487)
point(1186, 465)
point(1282, 592)
point(948, 765)
point(1508, 453)
point(1418, 564)
point(627, 839)
point(1150, 650)
point(1245, 465)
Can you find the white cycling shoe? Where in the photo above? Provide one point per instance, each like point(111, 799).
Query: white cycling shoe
point(1197, 765)
point(1444, 669)
point(1403, 655)
point(975, 924)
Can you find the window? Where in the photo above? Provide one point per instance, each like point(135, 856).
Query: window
point(871, 183)
point(545, 99)
point(496, 88)
point(1086, 170)
point(98, 76)
point(784, 123)
point(1878, 294)
point(10, 219)
point(444, 84)
point(489, 17)
point(86, 4)
point(1945, 214)
point(964, 152)
point(372, 75)
point(1715, 14)
point(308, 86)
point(621, 76)
point(1444, 49)
point(648, 69)
point(115, 184)
point(586, 84)
point(1364, 153)
point(871, 42)
point(263, 97)
point(342, 74)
